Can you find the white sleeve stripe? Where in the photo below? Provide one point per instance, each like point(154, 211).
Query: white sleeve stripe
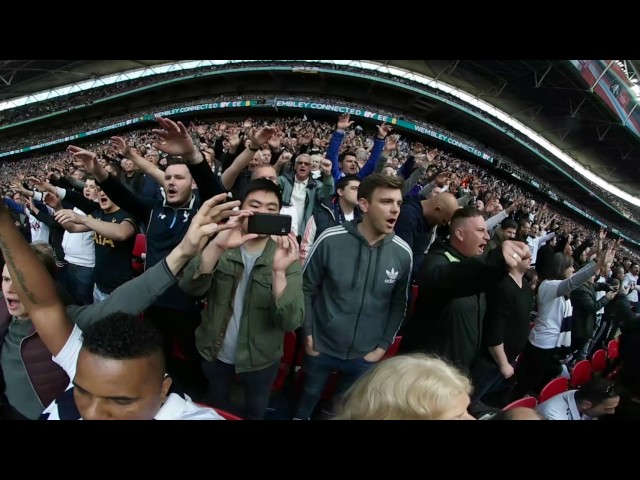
point(327, 233)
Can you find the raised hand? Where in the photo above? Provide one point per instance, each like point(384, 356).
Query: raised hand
point(325, 166)
point(66, 216)
point(209, 221)
point(391, 143)
point(344, 122)
point(287, 252)
point(175, 140)
point(262, 136)
point(384, 130)
point(121, 145)
point(89, 161)
point(514, 252)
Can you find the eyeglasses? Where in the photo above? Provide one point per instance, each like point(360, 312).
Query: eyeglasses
point(303, 163)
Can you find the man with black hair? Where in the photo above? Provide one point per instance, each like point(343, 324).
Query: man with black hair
point(253, 285)
point(59, 329)
point(594, 399)
point(118, 371)
point(329, 212)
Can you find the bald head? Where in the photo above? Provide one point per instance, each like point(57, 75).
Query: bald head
point(439, 210)
point(518, 413)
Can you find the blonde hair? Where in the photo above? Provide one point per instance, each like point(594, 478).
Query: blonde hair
point(316, 160)
point(406, 387)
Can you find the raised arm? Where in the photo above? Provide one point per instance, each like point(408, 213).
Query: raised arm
point(565, 287)
point(258, 138)
point(118, 193)
point(175, 140)
point(143, 165)
point(36, 289)
point(378, 146)
point(333, 151)
point(73, 222)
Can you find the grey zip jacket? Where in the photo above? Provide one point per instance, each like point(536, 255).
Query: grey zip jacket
point(355, 294)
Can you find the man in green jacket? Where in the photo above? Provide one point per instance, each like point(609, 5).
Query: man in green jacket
point(253, 285)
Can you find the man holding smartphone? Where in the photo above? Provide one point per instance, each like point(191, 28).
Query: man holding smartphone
point(356, 283)
point(253, 285)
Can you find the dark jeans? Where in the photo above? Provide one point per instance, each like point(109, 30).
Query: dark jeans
point(486, 378)
point(316, 371)
point(257, 388)
point(179, 326)
point(538, 367)
point(78, 282)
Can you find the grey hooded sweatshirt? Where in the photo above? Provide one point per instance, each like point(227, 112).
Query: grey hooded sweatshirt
point(355, 294)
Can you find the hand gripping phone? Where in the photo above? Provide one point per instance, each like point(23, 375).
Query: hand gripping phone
point(269, 224)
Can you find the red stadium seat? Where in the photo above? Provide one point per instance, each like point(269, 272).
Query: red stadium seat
point(581, 373)
point(139, 248)
point(613, 349)
point(553, 388)
point(599, 360)
point(393, 349)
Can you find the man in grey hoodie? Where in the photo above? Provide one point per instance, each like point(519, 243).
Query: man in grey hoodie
point(356, 282)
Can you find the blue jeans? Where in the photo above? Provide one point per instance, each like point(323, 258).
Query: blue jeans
point(316, 371)
point(486, 378)
point(78, 281)
point(257, 388)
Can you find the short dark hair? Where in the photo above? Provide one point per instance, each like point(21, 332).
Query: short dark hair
point(524, 220)
point(462, 214)
point(116, 167)
point(351, 153)
point(261, 185)
point(91, 176)
point(344, 181)
point(596, 391)
point(508, 223)
point(378, 180)
point(121, 336)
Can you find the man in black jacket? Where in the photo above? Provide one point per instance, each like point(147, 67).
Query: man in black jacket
point(454, 276)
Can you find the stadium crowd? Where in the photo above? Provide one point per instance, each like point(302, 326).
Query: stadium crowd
point(389, 246)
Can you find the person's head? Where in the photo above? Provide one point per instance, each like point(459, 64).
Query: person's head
point(17, 197)
point(479, 205)
point(597, 398)
point(177, 183)
point(347, 190)
point(389, 171)
point(635, 269)
point(120, 374)
point(79, 174)
point(524, 265)
point(303, 167)
point(113, 168)
point(265, 171)
point(260, 196)
point(408, 387)
point(128, 166)
point(379, 199)
point(256, 160)
point(618, 272)
point(152, 156)
point(90, 188)
point(266, 156)
point(524, 227)
point(626, 263)
point(535, 230)
point(106, 204)
point(468, 232)
point(16, 309)
point(532, 277)
point(102, 161)
point(560, 267)
point(316, 161)
point(553, 242)
point(348, 163)
point(509, 228)
point(614, 283)
point(518, 413)
point(440, 209)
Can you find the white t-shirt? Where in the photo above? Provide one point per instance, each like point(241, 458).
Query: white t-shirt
point(551, 311)
point(632, 280)
point(561, 407)
point(295, 219)
point(176, 407)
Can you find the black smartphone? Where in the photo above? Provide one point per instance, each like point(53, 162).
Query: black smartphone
point(269, 224)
